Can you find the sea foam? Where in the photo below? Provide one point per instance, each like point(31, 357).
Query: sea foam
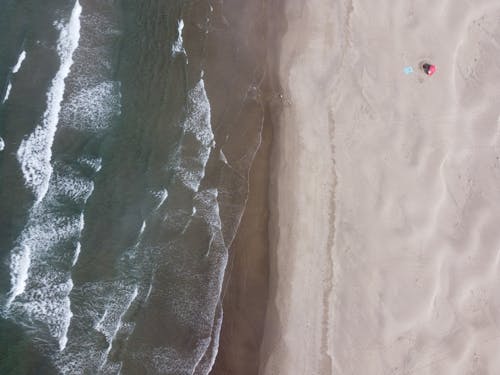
point(197, 123)
point(35, 152)
point(40, 264)
point(93, 108)
point(112, 323)
point(178, 46)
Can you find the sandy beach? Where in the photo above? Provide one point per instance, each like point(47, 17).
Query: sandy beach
point(384, 197)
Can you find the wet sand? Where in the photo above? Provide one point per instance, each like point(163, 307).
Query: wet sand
point(246, 287)
point(245, 296)
point(296, 339)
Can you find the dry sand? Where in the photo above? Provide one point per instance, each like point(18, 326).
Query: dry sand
point(385, 196)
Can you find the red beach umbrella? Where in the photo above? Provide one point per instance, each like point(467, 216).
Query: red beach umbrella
point(429, 69)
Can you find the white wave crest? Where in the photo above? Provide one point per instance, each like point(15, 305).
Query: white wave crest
point(78, 249)
point(66, 318)
point(40, 265)
point(15, 69)
point(7, 92)
point(93, 163)
point(178, 46)
point(20, 264)
point(143, 228)
point(35, 152)
point(160, 197)
point(20, 60)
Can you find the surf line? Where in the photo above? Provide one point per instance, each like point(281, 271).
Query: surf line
point(35, 152)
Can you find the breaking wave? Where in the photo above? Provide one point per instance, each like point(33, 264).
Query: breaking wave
point(35, 152)
point(190, 164)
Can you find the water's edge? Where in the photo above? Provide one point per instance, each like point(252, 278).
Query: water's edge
point(246, 289)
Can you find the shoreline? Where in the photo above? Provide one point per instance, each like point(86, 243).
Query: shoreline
point(245, 295)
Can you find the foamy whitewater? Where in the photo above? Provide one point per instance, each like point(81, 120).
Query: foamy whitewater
point(191, 168)
point(35, 152)
point(40, 268)
point(178, 46)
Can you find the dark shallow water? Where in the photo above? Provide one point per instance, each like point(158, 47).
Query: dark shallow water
point(118, 195)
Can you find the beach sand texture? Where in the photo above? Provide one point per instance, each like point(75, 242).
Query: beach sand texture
point(385, 191)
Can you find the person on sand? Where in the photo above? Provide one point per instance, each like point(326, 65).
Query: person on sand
point(429, 69)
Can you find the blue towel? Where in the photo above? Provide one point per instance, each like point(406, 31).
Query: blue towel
point(408, 70)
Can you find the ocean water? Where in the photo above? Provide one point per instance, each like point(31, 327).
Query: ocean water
point(117, 205)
